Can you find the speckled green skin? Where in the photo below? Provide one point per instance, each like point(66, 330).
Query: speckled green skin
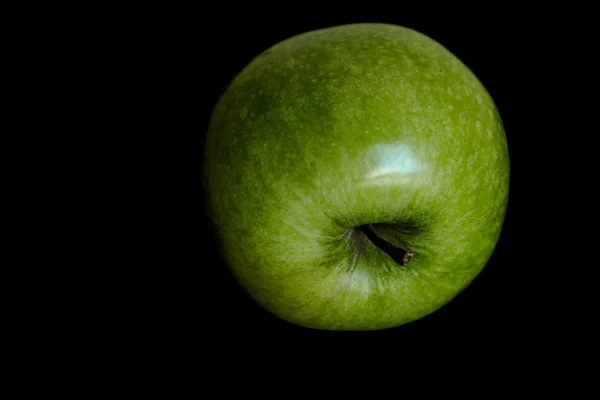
point(352, 125)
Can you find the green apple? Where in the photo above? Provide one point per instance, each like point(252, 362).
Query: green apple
point(357, 177)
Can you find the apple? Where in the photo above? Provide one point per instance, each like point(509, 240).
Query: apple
point(356, 176)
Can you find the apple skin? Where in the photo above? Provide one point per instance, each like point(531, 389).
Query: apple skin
point(347, 126)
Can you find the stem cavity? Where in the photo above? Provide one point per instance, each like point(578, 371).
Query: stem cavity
point(398, 254)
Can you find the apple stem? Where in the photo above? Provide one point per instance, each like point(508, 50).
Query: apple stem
point(398, 254)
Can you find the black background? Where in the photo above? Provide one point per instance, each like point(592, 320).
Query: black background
point(198, 302)
point(148, 291)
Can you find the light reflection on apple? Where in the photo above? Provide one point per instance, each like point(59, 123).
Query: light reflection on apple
point(396, 162)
